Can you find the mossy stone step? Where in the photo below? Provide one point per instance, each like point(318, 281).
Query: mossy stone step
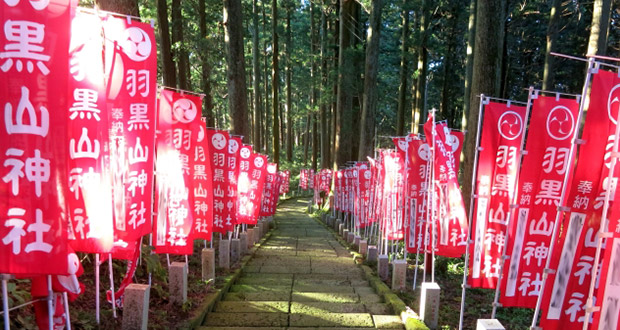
point(326, 307)
point(286, 269)
point(378, 309)
point(325, 297)
point(364, 290)
point(371, 298)
point(258, 288)
point(252, 306)
point(241, 328)
point(331, 282)
point(258, 296)
point(247, 319)
point(363, 320)
point(387, 322)
point(323, 288)
point(253, 280)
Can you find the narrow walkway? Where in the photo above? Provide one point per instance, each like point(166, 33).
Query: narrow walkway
point(301, 278)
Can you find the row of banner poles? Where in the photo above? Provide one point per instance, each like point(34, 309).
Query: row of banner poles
point(484, 100)
point(562, 208)
point(603, 232)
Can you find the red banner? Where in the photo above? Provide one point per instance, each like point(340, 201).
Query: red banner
point(451, 223)
point(285, 176)
point(303, 179)
point(551, 133)
point(498, 162)
point(179, 123)
point(231, 172)
point(270, 191)
point(90, 201)
point(131, 70)
point(566, 291)
point(218, 151)
point(202, 177)
point(417, 180)
point(393, 185)
point(363, 196)
point(33, 139)
point(252, 173)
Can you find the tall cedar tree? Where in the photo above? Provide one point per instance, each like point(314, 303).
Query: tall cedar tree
point(169, 72)
point(206, 68)
point(237, 101)
point(180, 52)
point(344, 116)
point(371, 68)
point(256, 74)
point(275, 82)
point(289, 84)
point(402, 87)
point(486, 72)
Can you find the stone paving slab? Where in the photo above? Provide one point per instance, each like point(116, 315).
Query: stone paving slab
point(252, 306)
point(326, 307)
point(378, 309)
point(240, 328)
point(325, 297)
point(258, 288)
point(245, 319)
point(332, 320)
point(371, 298)
point(265, 280)
point(322, 288)
point(258, 296)
point(387, 322)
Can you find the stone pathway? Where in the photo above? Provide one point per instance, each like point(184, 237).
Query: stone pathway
point(301, 278)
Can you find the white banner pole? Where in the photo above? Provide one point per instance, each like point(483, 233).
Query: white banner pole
point(112, 285)
point(603, 232)
point(65, 300)
point(513, 202)
point(5, 303)
point(563, 208)
point(97, 307)
point(433, 202)
point(50, 303)
point(473, 197)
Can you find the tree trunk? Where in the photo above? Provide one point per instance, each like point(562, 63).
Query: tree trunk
point(469, 62)
point(206, 68)
point(402, 87)
point(275, 83)
point(237, 100)
point(256, 73)
point(345, 85)
point(420, 89)
point(369, 107)
point(323, 99)
point(168, 73)
point(177, 41)
point(357, 79)
point(597, 44)
point(552, 36)
point(315, 142)
point(307, 138)
point(486, 72)
point(126, 7)
point(267, 126)
point(289, 91)
point(447, 109)
point(313, 80)
point(334, 105)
